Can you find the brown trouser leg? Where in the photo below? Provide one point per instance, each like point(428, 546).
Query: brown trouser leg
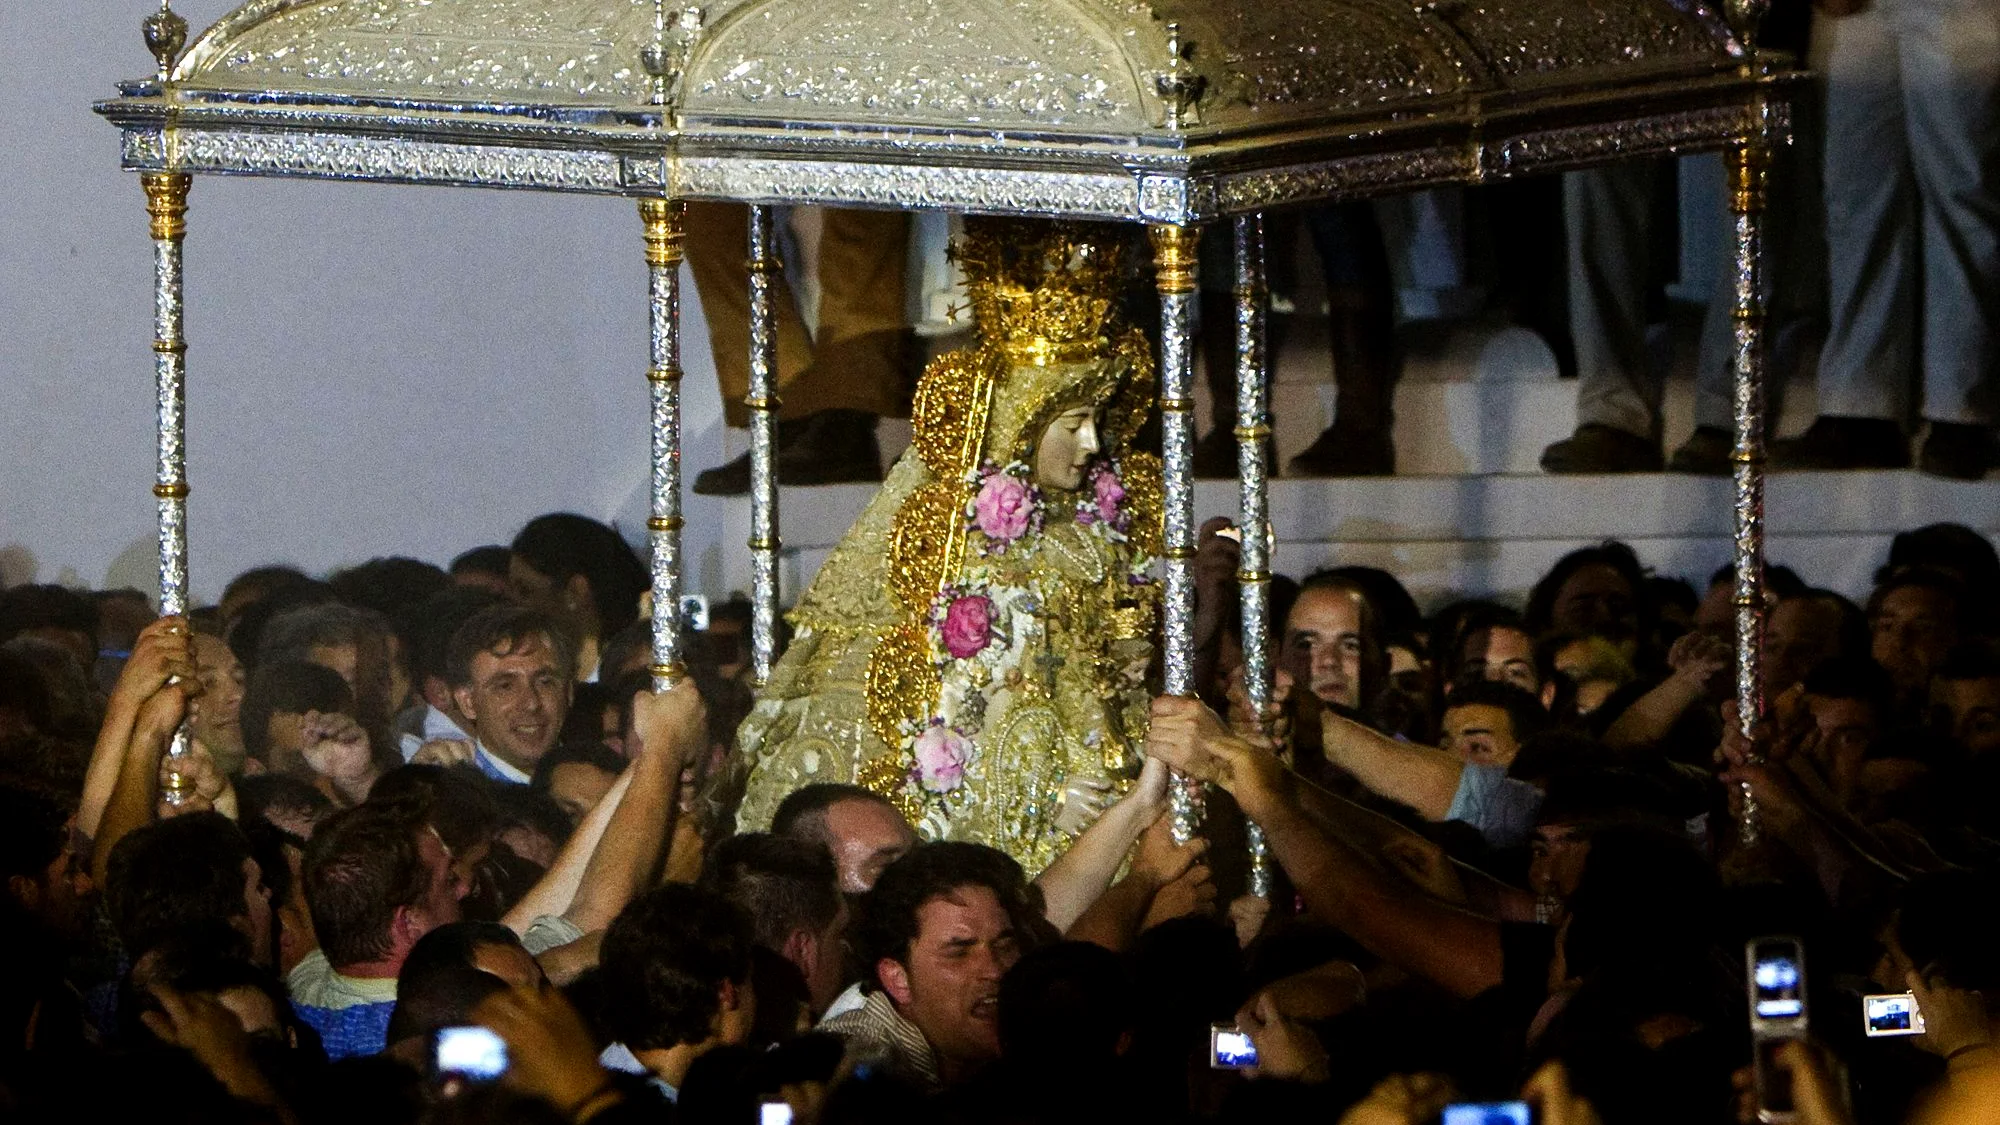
point(857, 362)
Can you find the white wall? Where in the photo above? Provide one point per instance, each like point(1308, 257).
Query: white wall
point(372, 369)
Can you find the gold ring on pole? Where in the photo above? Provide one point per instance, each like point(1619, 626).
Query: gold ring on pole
point(663, 374)
point(1177, 405)
point(1174, 262)
point(762, 402)
point(763, 544)
point(1248, 576)
point(665, 231)
point(170, 347)
point(674, 672)
point(171, 491)
point(668, 523)
point(166, 202)
point(1252, 433)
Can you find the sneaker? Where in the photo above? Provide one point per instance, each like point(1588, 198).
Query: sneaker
point(1597, 448)
point(830, 447)
point(1341, 451)
point(1836, 441)
point(1705, 453)
point(1959, 451)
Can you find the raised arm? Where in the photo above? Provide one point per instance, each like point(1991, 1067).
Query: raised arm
point(1455, 948)
point(1081, 875)
point(163, 650)
point(136, 790)
point(673, 727)
point(556, 889)
point(1422, 777)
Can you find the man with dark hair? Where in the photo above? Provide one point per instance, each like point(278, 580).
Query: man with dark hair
point(1486, 721)
point(513, 674)
point(1966, 695)
point(1915, 618)
point(576, 777)
point(391, 585)
point(859, 827)
point(787, 887)
point(357, 643)
point(584, 573)
point(675, 970)
point(440, 983)
point(276, 700)
point(174, 877)
point(52, 613)
point(941, 927)
point(376, 880)
point(44, 911)
point(437, 620)
point(254, 585)
point(483, 568)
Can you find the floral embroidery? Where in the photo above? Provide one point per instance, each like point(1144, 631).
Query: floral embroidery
point(1102, 507)
point(1005, 506)
point(941, 753)
point(966, 627)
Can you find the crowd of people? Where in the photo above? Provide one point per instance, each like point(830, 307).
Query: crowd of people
point(413, 844)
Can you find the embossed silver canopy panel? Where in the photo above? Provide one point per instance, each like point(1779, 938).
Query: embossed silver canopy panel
point(1040, 106)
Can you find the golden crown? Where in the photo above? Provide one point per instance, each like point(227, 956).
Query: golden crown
point(1042, 292)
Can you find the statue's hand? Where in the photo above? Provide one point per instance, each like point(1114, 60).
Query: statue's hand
point(1083, 801)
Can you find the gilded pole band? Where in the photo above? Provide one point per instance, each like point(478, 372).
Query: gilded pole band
point(666, 231)
point(166, 203)
point(1174, 260)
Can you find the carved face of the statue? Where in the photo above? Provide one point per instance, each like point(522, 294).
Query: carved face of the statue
point(1066, 448)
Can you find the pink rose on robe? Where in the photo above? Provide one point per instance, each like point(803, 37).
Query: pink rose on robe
point(1003, 508)
point(967, 626)
point(1109, 493)
point(941, 757)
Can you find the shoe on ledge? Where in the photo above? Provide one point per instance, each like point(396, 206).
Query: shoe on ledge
point(1598, 448)
point(1346, 451)
point(1959, 451)
point(830, 447)
point(1839, 441)
point(1215, 455)
point(1706, 453)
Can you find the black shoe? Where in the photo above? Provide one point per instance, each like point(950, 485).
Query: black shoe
point(1346, 451)
point(1836, 441)
point(1215, 456)
point(1597, 448)
point(1705, 453)
point(830, 447)
point(1958, 451)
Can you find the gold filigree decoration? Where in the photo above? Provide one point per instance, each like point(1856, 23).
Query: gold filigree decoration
point(926, 544)
point(902, 683)
point(888, 777)
point(1128, 411)
point(1146, 499)
point(1042, 292)
point(948, 416)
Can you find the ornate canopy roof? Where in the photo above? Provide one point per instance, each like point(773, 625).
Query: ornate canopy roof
point(1172, 111)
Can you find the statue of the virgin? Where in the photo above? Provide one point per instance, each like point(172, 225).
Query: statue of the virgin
point(977, 647)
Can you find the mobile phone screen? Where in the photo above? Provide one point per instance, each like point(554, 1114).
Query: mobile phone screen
point(1233, 1049)
point(774, 1113)
point(1779, 982)
point(1895, 1014)
point(471, 1051)
point(1488, 1113)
